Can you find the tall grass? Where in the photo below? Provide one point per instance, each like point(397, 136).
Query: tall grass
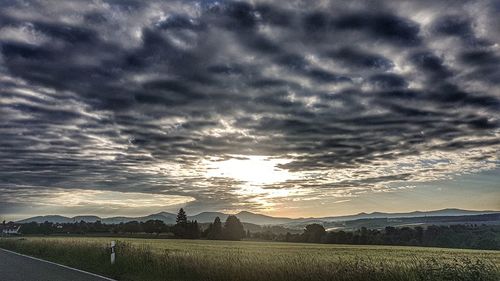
point(139, 262)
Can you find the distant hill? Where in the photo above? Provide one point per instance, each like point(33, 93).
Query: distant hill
point(86, 218)
point(259, 219)
point(379, 223)
point(443, 212)
point(208, 217)
point(50, 218)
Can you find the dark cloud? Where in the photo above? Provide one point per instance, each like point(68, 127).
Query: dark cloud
point(388, 81)
point(316, 22)
point(479, 57)
point(459, 26)
point(353, 57)
point(482, 65)
point(273, 15)
point(453, 25)
point(13, 50)
point(387, 27)
point(431, 65)
point(135, 96)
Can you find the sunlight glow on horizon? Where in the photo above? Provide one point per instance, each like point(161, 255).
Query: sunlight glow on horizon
point(254, 170)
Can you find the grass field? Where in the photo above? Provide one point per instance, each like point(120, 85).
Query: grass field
point(156, 259)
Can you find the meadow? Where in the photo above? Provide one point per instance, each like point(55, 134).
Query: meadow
point(161, 259)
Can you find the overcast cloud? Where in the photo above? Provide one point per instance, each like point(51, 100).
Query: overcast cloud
point(347, 97)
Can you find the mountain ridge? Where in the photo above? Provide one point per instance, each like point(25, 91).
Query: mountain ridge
point(255, 218)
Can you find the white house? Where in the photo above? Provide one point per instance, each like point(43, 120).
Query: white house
point(11, 230)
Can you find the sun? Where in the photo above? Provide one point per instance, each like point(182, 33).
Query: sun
point(254, 170)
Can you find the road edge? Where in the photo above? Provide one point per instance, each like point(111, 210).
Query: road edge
point(61, 265)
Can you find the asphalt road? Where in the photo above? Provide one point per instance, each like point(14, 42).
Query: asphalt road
point(14, 267)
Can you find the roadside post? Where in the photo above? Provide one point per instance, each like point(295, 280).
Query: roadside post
point(113, 244)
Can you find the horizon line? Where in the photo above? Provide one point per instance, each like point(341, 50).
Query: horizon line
point(255, 213)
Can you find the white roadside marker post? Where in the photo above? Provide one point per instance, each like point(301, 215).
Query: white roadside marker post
point(113, 252)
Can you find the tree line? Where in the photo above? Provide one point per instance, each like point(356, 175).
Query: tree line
point(232, 229)
point(452, 236)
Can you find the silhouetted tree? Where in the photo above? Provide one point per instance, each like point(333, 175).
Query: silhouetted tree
point(181, 217)
point(184, 228)
point(314, 233)
point(233, 229)
point(131, 227)
point(153, 226)
point(419, 234)
point(215, 230)
point(192, 230)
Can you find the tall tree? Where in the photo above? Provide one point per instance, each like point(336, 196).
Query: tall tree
point(233, 229)
point(194, 230)
point(181, 227)
point(215, 230)
point(181, 217)
point(314, 233)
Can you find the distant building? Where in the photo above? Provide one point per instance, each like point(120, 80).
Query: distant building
point(10, 229)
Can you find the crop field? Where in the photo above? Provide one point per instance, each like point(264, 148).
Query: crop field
point(160, 259)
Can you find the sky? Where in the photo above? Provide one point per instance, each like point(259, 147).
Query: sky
point(289, 108)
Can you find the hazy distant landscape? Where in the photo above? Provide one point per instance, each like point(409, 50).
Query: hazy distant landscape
point(260, 219)
point(452, 228)
point(250, 246)
point(440, 245)
point(351, 222)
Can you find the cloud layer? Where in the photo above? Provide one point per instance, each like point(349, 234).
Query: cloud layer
point(137, 96)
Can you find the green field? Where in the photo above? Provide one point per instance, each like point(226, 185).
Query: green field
point(158, 259)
